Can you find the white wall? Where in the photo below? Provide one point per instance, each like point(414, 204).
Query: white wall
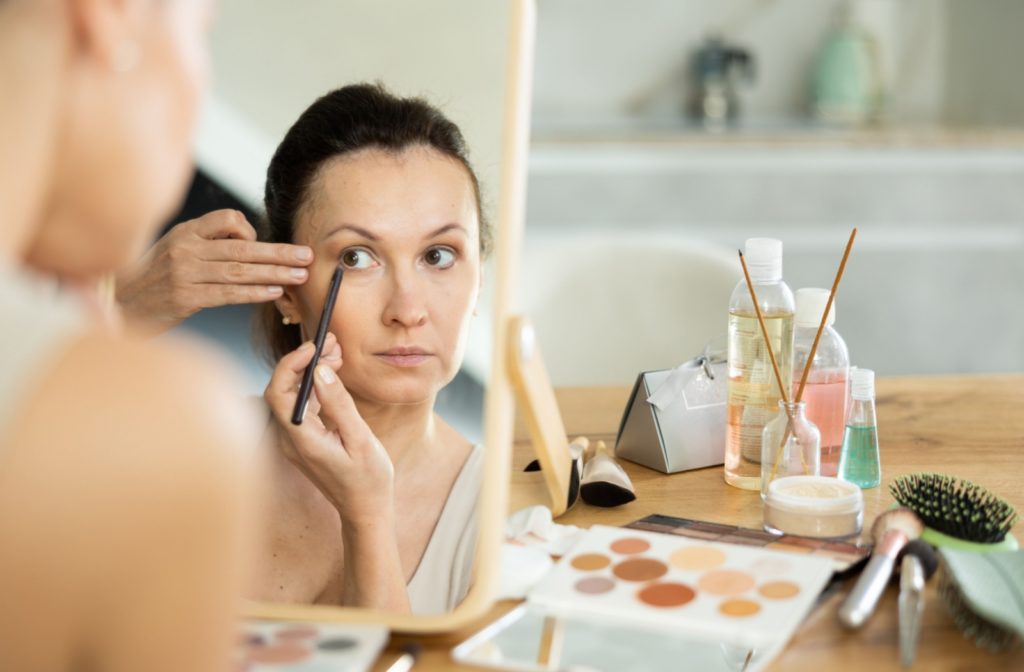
point(273, 58)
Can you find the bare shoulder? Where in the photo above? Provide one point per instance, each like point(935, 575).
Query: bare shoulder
point(127, 414)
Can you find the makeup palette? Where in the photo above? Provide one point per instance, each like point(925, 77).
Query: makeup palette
point(731, 593)
point(279, 646)
point(844, 556)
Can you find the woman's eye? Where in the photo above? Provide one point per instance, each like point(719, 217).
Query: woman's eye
point(439, 257)
point(356, 258)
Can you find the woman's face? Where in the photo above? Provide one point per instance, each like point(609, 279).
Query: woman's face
point(134, 85)
point(406, 229)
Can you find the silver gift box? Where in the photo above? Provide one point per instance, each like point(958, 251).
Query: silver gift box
point(686, 429)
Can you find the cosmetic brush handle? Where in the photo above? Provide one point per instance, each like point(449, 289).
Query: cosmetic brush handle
point(860, 603)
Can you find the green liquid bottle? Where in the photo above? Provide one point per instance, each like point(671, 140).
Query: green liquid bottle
point(859, 462)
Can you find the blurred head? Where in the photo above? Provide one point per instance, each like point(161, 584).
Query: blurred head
point(383, 186)
point(134, 74)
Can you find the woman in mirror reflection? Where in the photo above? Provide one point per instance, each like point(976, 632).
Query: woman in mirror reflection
point(374, 496)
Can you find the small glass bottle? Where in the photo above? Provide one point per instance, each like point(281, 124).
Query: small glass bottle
point(790, 445)
point(826, 389)
point(752, 391)
point(860, 462)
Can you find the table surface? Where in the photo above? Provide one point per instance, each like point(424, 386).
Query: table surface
point(967, 426)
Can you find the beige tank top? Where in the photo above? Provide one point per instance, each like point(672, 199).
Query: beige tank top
point(442, 578)
point(39, 322)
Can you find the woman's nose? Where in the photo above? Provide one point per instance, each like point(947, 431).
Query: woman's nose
point(405, 306)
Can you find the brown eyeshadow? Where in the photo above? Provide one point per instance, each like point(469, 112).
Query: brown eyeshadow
point(726, 582)
point(695, 534)
point(666, 594)
point(789, 548)
point(740, 540)
point(594, 585)
point(589, 562)
point(739, 608)
point(630, 546)
point(779, 590)
point(286, 652)
point(640, 569)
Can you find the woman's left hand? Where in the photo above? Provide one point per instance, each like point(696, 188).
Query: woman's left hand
point(333, 447)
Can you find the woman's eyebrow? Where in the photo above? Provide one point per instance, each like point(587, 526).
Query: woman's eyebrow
point(445, 229)
point(358, 230)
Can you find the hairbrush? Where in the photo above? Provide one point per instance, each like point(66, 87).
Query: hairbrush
point(956, 511)
point(985, 595)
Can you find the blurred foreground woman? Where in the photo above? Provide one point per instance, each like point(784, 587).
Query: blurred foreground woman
point(123, 480)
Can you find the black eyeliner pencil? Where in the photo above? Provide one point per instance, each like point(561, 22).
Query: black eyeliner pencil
point(321, 334)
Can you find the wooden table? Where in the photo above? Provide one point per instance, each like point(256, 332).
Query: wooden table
point(967, 426)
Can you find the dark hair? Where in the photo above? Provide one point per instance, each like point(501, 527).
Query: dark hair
point(346, 120)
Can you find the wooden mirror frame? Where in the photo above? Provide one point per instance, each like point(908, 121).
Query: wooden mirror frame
point(499, 396)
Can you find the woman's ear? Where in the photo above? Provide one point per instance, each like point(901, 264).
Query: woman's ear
point(289, 308)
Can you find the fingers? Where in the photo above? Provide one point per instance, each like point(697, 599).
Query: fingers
point(338, 409)
point(252, 252)
point(241, 273)
point(224, 224)
point(284, 382)
point(211, 296)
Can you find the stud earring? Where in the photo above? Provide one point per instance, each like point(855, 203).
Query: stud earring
point(286, 320)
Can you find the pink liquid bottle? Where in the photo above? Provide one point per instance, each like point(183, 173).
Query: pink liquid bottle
point(826, 391)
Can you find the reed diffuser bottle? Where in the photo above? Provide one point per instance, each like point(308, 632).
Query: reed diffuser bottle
point(752, 392)
point(790, 446)
point(826, 389)
point(860, 462)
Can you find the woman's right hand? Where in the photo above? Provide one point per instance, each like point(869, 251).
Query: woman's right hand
point(333, 447)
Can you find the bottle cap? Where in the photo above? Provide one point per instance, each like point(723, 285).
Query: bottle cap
point(862, 384)
point(810, 304)
point(764, 259)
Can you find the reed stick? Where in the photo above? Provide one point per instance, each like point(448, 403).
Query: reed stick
point(764, 329)
point(814, 346)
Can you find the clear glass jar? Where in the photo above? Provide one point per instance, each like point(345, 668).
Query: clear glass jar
point(790, 445)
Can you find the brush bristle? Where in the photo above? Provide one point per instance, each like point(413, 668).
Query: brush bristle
point(983, 632)
point(955, 507)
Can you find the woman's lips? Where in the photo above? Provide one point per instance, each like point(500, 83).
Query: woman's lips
point(404, 356)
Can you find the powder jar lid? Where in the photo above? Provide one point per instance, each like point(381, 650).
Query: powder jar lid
point(815, 494)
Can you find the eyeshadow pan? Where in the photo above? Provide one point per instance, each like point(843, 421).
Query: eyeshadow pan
point(589, 562)
point(594, 585)
point(713, 527)
point(295, 633)
point(286, 652)
point(336, 644)
point(666, 595)
point(697, 558)
point(779, 590)
point(630, 545)
point(789, 548)
point(725, 582)
point(770, 565)
point(741, 540)
point(696, 534)
point(652, 527)
point(739, 608)
point(640, 569)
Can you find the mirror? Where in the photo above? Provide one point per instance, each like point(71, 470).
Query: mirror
point(473, 62)
point(528, 639)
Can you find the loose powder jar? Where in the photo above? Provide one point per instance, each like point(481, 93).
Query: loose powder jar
point(814, 506)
